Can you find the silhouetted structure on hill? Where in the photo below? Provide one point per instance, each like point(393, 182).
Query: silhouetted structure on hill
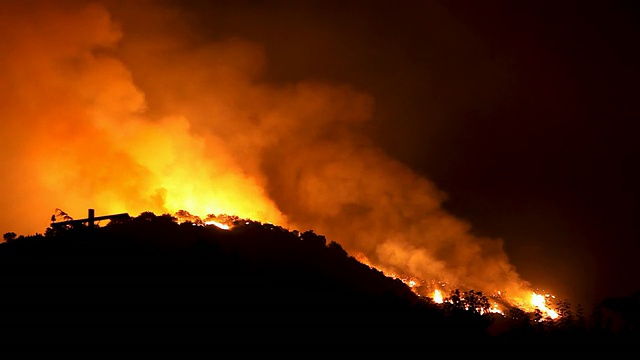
point(90, 221)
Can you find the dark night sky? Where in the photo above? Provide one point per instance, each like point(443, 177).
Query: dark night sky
point(523, 112)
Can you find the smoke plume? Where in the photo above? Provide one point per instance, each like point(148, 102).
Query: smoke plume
point(128, 109)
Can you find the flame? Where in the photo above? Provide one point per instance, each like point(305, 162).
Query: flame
point(495, 309)
point(422, 288)
point(437, 297)
point(540, 302)
point(218, 224)
point(225, 222)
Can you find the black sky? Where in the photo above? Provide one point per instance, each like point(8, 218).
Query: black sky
point(524, 112)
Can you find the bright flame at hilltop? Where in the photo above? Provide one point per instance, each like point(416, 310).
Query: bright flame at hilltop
point(217, 224)
point(224, 222)
point(165, 119)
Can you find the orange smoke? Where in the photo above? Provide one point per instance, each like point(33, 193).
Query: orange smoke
point(82, 137)
point(127, 109)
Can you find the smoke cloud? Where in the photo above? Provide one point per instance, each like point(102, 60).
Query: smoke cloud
point(128, 109)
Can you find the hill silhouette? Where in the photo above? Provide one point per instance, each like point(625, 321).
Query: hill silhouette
point(154, 283)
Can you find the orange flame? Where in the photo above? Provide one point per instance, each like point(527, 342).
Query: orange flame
point(437, 297)
point(540, 302)
point(218, 224)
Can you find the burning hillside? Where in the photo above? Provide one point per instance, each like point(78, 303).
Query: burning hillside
point(432, 289)
point(126, 108)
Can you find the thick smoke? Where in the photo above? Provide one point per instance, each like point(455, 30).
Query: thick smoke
point(127, 109)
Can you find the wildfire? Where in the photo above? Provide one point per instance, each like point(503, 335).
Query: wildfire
point(216, 145)
point(422, 288)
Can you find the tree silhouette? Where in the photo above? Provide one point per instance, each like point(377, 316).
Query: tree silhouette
point(9, 236)
point(476, 302)
point(471, 301)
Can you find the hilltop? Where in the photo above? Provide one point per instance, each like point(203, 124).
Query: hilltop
point(152, 281)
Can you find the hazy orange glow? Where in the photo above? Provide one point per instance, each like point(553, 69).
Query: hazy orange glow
point(114, 110)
